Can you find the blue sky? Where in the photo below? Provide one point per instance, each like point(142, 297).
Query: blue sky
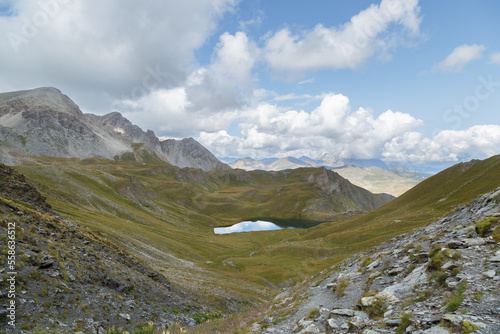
point(397, 80)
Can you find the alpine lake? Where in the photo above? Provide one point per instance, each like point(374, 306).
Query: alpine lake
point(265, 224)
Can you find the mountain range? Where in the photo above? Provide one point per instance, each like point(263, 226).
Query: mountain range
point(371, 174)
point(328, 161)
point(45, 122)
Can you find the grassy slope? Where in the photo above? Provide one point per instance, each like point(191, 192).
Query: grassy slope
point(422, 204)
point(166, 215)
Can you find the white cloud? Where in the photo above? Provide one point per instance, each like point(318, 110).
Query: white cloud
point(479, 141)
point(90, 45)
point(271, 131)
point(495, 58)
point(209, 99)
point(226, 83)
point(459, 57)
point(348, 46)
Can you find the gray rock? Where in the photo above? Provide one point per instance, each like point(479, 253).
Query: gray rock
point(357, 322)
point(255, 327)
point(374, 264)
point(417, 276)
point(393, 322)
point(388, 313)
point(455, 244)
point(395, 271)
point(450, 265)
point(311, 329)
point(367, 301)
point(125, 316)
point(343, 312)
point(495, 258)
point(490, 273)
point(437, 330)
point(456, 320)
point(474, 242)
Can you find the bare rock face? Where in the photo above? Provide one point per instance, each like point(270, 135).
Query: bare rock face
point(15, 186)
point(49, 123)
point(189, 153)
point(44, 121)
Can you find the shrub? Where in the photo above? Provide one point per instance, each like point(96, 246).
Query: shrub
point(483, 227)
point(496, 234)
point(436, 262)
point(435, 251)
point(149, 329)
point(113, 330)
point(469, 327)
point(456, 299)
point(313, 314)
point(202, 317)
point(341, 287)
point(441, 279)
point(365, 262)
point(405, 322)
point(376, 310)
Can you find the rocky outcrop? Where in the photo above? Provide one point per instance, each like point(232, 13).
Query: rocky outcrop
point(14, 186)
point(43, 121)
point(442, 278)
point(336, 189)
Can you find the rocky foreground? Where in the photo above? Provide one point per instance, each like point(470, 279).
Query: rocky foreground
point(442, 278)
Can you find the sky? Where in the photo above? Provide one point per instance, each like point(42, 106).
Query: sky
point(398, 80)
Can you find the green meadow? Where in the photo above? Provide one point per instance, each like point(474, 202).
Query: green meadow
point(166, 216)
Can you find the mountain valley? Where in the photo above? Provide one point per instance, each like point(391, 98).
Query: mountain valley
point(119, 224)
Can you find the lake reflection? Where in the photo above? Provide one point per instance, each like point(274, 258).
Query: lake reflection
point(248, 226)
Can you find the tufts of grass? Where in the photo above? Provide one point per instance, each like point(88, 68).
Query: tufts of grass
point(405, 322)
point(483, 227)
point(376, 310)
point(496, 234)
point(341, 287)
point(457, 297)
point(313, 314)
point(436, 262)
point(203, 317)
point(365, 262)
point(469, 327)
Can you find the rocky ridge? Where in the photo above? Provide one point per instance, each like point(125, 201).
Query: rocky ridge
point(372, 175)
point(46, 122)
point(442, 278)
point(72, 279)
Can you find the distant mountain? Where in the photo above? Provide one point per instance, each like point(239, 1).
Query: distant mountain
point(371, 174)
point(189, 153)
point(326, 160)
point(378, 180)
point(46, 122)
point(248, 164)
point(430, 167)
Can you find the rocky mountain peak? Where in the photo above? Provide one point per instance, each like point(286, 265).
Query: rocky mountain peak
point(42, 99)
point(189, 153)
